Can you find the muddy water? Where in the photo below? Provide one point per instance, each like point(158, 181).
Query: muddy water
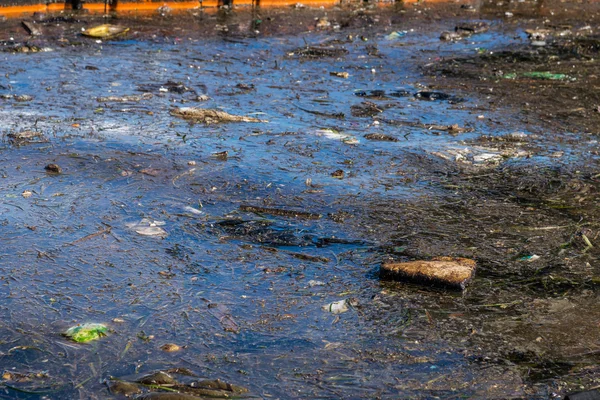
point(236, 289)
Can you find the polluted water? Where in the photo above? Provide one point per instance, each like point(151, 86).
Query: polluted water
point(372, 200)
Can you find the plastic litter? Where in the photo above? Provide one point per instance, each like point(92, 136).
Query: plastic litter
point(147, 227)
point(530, 258)
point(86, 332)
point(396, 35)
point(339, 307)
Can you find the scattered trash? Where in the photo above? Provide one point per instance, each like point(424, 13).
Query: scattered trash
point(344, 75)
point(27, 194)
point(335, 135)
point(339, 307)
point(192, 210)
point(492, 158)
point(86, 332)
point(313, 283)
point(280, 212)
point(210, 116)
point(147, 227)
point(396, 35)
point(105, 31)
point(31, 28)
point(530, 258)
point(450, 272)
point(170, 347)
point(26, 137)
point(53, 168)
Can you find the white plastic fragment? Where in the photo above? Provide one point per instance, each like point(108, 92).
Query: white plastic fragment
point(338, 307)
point(147, 227)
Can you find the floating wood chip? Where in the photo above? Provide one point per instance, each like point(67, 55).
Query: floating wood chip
point(211, 116)
point(443, 271)
point(105, 31)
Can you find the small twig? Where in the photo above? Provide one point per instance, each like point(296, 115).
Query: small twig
point(188, 172)
point(91, 235)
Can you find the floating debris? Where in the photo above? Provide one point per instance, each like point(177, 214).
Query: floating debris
point(396, 35)
point(339, 307)
point(26, 137)
point(211, 116)
point(344, 75)
point(53, 168)
point(86, 332)
point(280, 212)
point(105, 31)
point(336, 135)
point(170, 347)
point(147, 227)
point(530, 258)
point(450, 272)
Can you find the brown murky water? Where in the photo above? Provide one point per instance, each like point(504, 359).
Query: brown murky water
point(378, 140)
